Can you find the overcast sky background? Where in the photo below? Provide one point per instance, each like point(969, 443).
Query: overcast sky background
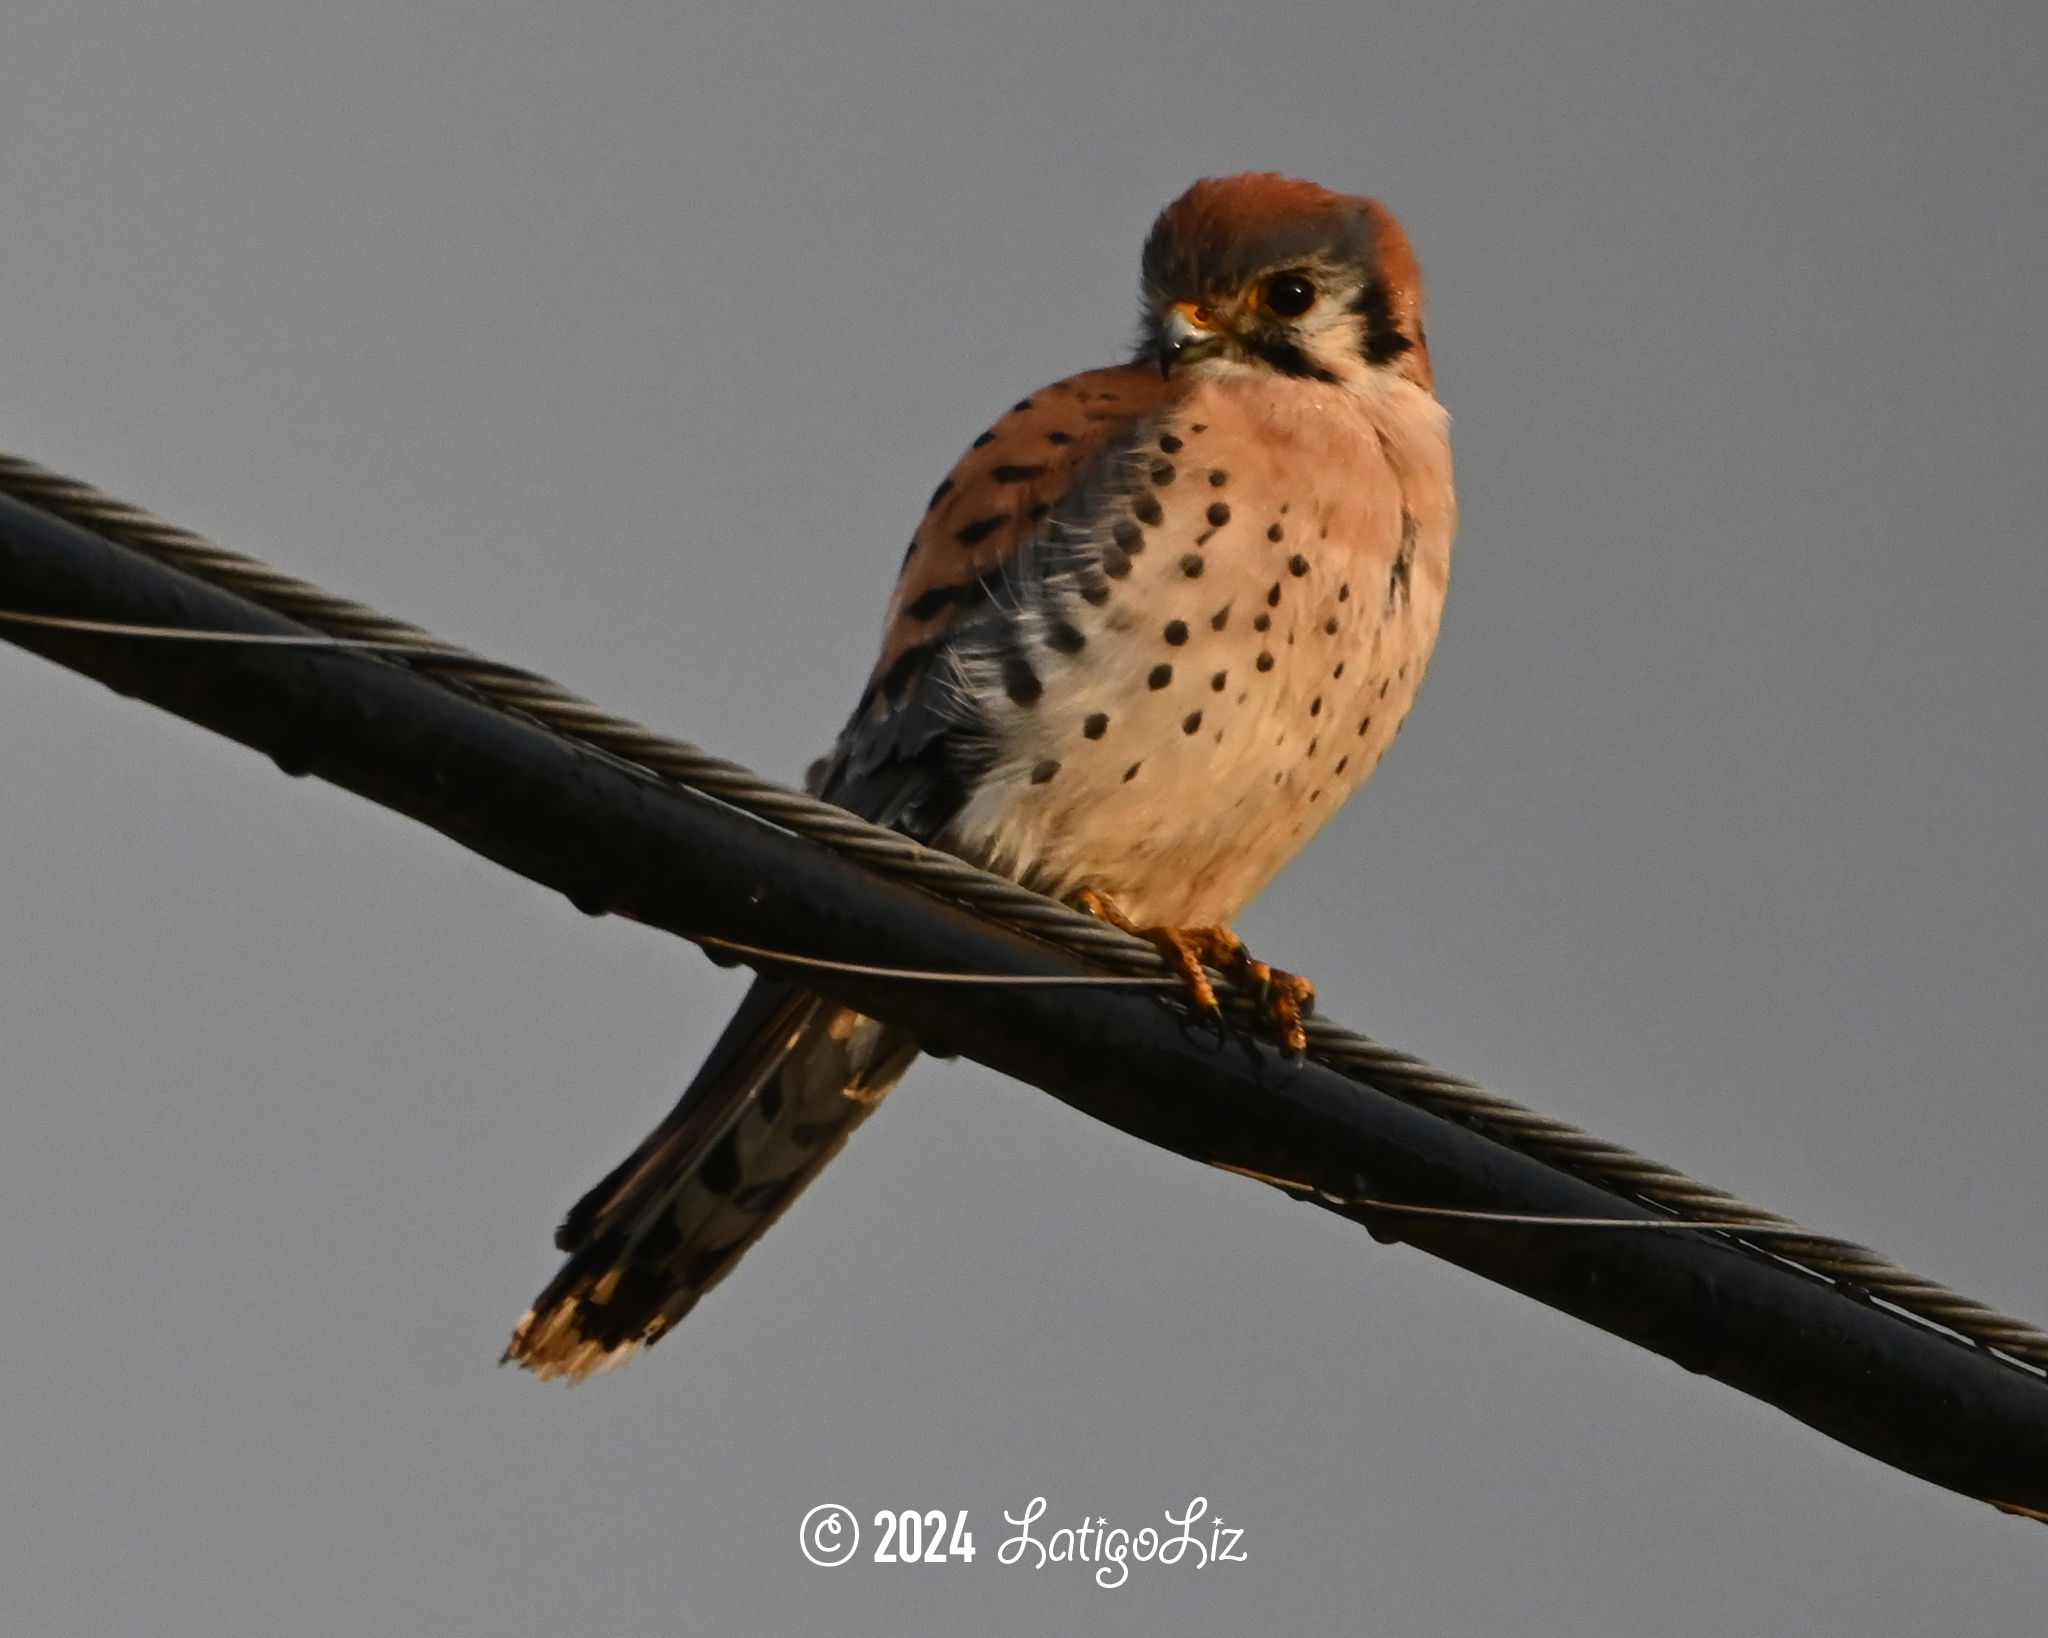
point(625, 341)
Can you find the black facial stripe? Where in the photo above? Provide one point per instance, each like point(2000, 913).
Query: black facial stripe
point(1287, 358)
point(1383, 339)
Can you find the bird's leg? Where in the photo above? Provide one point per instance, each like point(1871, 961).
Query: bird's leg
point(1283, 999)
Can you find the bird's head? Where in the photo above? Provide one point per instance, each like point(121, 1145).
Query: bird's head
point(1262, 272)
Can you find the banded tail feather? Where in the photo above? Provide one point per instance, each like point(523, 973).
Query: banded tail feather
point(788, 1081)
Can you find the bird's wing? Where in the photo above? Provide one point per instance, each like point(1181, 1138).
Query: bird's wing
point(1011, 515)
point(793, 1073)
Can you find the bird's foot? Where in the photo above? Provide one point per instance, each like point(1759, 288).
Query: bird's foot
point(1283, 999)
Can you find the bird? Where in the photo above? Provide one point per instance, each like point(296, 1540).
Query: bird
point(1154, 627)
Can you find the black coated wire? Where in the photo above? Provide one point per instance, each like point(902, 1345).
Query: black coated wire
point(338, 621)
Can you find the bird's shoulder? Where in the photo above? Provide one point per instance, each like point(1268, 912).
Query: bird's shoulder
point(1002, 492)
point(909, 750)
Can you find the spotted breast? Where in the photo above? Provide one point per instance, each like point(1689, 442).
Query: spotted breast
point(1209, 646)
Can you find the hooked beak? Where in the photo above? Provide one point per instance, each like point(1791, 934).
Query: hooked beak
point(1187, 325)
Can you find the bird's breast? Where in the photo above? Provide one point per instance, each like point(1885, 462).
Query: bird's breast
point(1219, 652)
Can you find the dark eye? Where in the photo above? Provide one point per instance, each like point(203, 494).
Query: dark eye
point(1289, 295)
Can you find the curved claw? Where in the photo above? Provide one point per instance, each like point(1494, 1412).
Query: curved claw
point(1283, 998)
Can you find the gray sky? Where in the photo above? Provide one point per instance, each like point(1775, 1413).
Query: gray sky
point(626, 341)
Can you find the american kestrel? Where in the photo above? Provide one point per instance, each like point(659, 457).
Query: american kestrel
point(1156, 625)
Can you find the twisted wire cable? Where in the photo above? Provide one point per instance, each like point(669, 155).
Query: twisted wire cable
point(1854, 1268)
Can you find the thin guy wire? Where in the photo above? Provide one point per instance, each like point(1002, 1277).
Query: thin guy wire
point(1856, 1268)
point(1459, 1214)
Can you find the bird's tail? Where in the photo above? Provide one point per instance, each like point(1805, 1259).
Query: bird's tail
point(789, 1079)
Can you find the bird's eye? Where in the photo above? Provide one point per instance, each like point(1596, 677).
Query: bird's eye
point(1288, 294)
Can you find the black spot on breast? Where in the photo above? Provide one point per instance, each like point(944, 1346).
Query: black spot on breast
point(1161, 676)
point(1383, 688)
point(1265, 661)
point(1330, 626)
point(1176, 632)
point(1017, 474)
point(1198, 427)
point(980, 529)
point(984, 440)
point(1216, 682)
point(1275, 532)
point(1220, 618)
point(1263, 622)
point(1020, 682)
point(1096, 726)
point(1191, 565)
point(1404, 561)
point(1365, 727)
point(1315, 706)
point(1343, 762)
point(1116, 562)
point(1344, 592)
point(1059, 437)
point(1219, 514)
point(1169, 443)
point(1162, 473)
point(945, 488)
point(1095, 593)
point(1339, 671)
point(1218, 478)
point(1297, 565)
point(1043, 772)
point(1062, 638)
point(1131, 772)
point(1147, 510)
point(1128, 535)
point(1273, 596)
point(1191, 722)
